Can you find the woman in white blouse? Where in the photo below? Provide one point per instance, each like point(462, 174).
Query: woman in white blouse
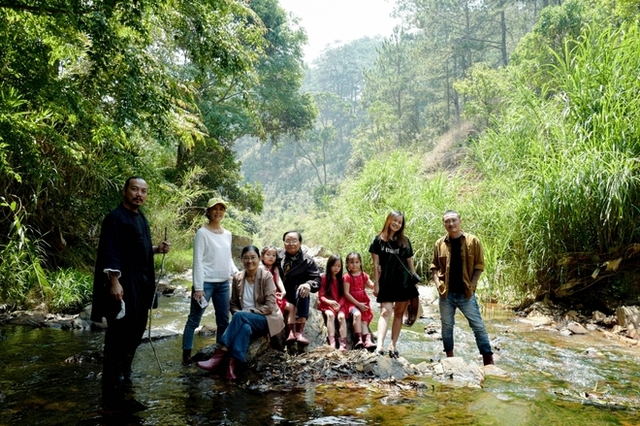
point(212, 267)
point(255, 312)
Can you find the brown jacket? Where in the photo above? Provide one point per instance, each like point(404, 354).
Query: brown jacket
point(264, 296)
point(472, 259)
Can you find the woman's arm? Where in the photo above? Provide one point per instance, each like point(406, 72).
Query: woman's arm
point(198, 267)
point(377, 271)
point(410, 263)
point(236, 283)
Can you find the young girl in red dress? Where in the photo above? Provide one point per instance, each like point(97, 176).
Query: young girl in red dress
point(330, 301)
point(268, 256)
point(357, 303)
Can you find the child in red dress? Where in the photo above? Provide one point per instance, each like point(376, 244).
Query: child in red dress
point(330, 301)
point(357, 302)
point(268, 256)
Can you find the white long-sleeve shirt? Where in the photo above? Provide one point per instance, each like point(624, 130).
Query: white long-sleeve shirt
point(212, 260)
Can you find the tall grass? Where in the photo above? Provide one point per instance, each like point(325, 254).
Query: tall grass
point(572, 148)
point(557, 173)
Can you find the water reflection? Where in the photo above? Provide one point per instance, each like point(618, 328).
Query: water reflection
point(553, 380)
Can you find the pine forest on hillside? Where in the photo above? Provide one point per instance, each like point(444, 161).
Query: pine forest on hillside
point(520, 114)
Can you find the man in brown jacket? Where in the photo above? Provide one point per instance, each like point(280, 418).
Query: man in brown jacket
point(457, 265)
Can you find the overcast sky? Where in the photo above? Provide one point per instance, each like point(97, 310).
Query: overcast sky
point(328, 21)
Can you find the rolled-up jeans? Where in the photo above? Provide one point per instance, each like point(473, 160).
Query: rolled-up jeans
point(471, 311)
point(217, 293)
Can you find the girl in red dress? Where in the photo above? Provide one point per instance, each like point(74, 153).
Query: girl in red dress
point(268, 256)
point(357, 302)
point(330, 301)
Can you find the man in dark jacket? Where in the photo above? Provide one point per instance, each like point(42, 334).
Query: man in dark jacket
point(124, 282)
point(301, 277)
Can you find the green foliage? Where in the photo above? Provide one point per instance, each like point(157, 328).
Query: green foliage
point(70, 290)
point(573, 151)
point(24, 280)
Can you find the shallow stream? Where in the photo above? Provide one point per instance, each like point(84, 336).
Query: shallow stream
point(553, 380)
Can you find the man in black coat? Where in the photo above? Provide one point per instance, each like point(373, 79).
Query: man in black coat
point(301, 277)
point(124, 282)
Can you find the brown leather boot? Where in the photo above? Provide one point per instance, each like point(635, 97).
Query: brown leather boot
point(214, 361)
point(449, 354)
point(231, 374)
point(368, 343)
point(291, 332)
point(186, 357)
point(343, 343)
point(487, 359)
point(332, 341)
point(299, 334)
point(359, 344)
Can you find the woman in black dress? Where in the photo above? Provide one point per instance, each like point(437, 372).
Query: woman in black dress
point(392, 256)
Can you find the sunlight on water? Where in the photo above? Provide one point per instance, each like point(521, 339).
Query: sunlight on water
point(554, 379)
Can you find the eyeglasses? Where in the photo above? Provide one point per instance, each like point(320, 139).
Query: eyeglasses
point(250, 258)
point(291, 242)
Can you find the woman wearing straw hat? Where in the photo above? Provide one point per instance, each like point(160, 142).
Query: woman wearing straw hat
point(212, 268)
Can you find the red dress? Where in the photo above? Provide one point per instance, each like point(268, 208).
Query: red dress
point(280, 301)
point(357, 285)
point(331, 293)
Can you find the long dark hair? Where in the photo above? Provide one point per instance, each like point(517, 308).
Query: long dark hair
point(399, 236)
point(328, 280)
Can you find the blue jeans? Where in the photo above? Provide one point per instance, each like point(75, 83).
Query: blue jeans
point(238, 335)
point(471, 311)
point(217, 293)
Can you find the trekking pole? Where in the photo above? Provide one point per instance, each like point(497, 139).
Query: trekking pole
point(155, 293)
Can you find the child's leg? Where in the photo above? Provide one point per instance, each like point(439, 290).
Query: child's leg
point(383, 322)
point(357, 327)
point(342, 322)
point(356, 316)
point(290, 311)
point(331, 322)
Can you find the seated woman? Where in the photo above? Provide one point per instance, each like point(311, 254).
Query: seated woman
point(254, 310)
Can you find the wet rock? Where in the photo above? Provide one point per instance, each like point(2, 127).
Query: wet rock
point(31, 319)
point(628, 317)
point(455, 370)
point(537, 319)
point(592, 353)
point(576, 328)
point(386, 367)
point(85, 356)
point(495, 371)
point(158, 333)
point(598, 317)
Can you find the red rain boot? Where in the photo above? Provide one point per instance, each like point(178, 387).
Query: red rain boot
point(343, 343)
point(214, 361)
point(332, 341)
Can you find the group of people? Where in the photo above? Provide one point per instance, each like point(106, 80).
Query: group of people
point(272, 292)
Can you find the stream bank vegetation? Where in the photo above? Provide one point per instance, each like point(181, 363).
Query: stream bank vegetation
point(546, 176)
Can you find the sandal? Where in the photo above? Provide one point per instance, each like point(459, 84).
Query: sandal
point(381, 352)
point(394, 354)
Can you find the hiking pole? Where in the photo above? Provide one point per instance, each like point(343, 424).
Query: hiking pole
point(155, 294)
